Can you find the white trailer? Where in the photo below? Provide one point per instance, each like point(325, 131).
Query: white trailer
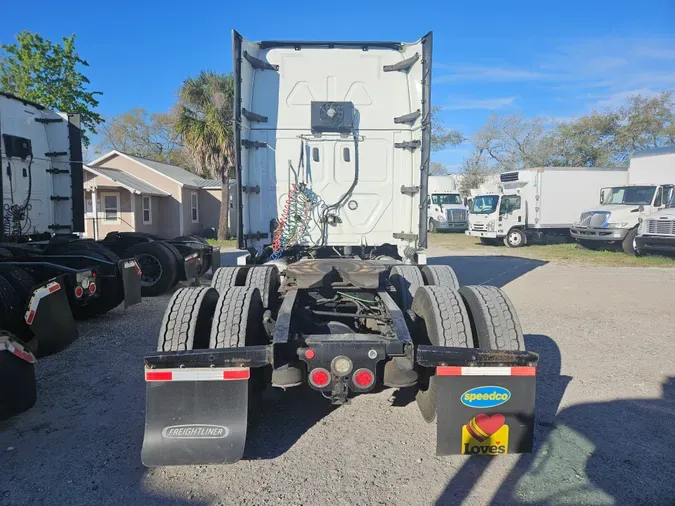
point(445, 207)
point(539, 202)
point(615, 220)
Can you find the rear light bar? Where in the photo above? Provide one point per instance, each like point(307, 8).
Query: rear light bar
point(198, 374)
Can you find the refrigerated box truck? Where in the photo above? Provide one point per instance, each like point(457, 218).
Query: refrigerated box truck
point(537, 204)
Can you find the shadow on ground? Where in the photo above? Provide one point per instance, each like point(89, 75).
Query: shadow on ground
point(487, 270)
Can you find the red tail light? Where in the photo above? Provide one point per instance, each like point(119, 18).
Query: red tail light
point(92, 288)
point(319, 377)
point(79, 291)
point(363, 378)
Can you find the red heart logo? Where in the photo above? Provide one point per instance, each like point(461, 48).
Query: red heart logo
point(482, 426)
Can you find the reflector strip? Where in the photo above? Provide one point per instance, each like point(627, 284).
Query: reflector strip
point(19, 352)
point(198, 374)
point(190, 257)
point(39, 294)
point(445, 370)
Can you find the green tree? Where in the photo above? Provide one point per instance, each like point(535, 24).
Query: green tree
point(38, 70)
point(205, 123)
point(442, 137)
point(589, 141)
point(646, 123)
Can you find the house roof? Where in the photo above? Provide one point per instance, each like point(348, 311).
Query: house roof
point(126, 180)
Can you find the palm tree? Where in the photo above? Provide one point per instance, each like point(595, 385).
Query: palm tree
point(205, 123)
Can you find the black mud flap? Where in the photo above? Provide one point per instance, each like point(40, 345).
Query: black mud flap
point(215, 259)
point(131, 280)
point(484, 410)
point(195, 416)
point(49, 317)
point(192, 270)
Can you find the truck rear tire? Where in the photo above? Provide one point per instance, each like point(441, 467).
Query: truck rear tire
point(440, 275)
point(158, 267)
point(445, 323)
point(516, 238)
point(18, 391)
point(495, 324)
point(187, 320)
point(628, 243)
point(266, 279)
point(406, 279)
point(12, 309)
point(226, 277)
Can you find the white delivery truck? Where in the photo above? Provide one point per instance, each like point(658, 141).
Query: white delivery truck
point(650, 180)
point(537, 203)
point(446, 210)
point(656, 232)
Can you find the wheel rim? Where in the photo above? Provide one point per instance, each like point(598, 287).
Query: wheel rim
point(151, 269)
point(515, 239)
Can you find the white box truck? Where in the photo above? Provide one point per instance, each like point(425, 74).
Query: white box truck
point(446, 210)
point(647, 189)
point(537, 203)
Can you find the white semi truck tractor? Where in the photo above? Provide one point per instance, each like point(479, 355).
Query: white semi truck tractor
point(445, 207)
point(648, 187)
point(536, 205)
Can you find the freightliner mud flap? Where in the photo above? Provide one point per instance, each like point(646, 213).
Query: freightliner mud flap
point(483, 409)
point(196, 409)
point(49, 316)
point(131, 280)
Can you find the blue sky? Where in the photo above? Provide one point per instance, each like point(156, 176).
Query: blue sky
point(552, 59)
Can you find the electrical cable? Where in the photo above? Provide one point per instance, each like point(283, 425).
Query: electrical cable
point(17, 222)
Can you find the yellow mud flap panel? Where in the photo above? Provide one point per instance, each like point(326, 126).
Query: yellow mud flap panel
point(485, 410)
point(195, 415)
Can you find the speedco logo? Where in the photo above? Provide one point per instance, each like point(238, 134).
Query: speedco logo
point(195, 431)
point(485, 397)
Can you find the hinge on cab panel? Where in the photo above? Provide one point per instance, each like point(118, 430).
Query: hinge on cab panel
point(49, 120)
point(251, 116)
point(253, 144)
point(410, 190)
point(408, 118)
point(257, 235)
point(58, 171)
point(257, 63)
point(403, 65)
point(52, 154)
point(405, 237)
point(58, 197)
point(251, 189)
point(411, 145)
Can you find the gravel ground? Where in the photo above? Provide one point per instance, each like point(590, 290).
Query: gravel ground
point(605, 431)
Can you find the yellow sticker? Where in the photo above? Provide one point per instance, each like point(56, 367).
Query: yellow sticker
point(485, 435)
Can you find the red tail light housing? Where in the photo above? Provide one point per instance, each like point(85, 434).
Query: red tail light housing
point(79, 291)
point(319, 377)
point(363, 378)
point(92, 288)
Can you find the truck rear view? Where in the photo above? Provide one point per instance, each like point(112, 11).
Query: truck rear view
point(332, 148)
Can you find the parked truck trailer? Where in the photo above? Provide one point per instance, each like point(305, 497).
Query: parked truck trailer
point(647, 189)
point(537, 204)
point(334, 291)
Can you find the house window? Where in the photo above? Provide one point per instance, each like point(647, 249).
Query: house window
point(194, 207)
point(147, 210)
point(111, 207)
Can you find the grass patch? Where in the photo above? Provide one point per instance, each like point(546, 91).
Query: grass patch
point(564, 253)
point(230, 243)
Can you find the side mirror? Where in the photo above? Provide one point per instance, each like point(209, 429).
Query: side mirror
point(641, 208)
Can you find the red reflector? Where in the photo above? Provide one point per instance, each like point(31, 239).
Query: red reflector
point(55, 287)
point(319, 378)
point(137, 267)
point(523, 371)
point(79, 292)
point(158, 376)
point(30, 317)
point(364, 378)
point(241, 374)
point(309, 354)
point(92, 287)
point(448, 370)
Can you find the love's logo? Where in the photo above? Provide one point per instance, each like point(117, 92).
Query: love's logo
point(485, 435)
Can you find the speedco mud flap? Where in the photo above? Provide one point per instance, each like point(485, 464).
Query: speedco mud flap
point(484, 410)
point(195, 415)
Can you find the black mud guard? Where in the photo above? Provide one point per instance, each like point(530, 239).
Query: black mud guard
point(191, 269)
point(131, 280)
point(195, 416)
point(215, 258)
point(49, 316)
point(485, 410)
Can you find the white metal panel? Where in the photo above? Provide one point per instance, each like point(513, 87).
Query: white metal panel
point(655, 169)
point(284, 97)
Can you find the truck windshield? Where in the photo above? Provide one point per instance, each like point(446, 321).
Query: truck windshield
point(631, 195)
point(440, 199)
point(484, 204)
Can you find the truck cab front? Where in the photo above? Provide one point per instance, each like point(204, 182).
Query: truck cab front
point(616, 219)
point(492, 216)
point(656, 232)
point(447, 212)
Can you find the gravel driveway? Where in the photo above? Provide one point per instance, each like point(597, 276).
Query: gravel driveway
point(605, 430)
